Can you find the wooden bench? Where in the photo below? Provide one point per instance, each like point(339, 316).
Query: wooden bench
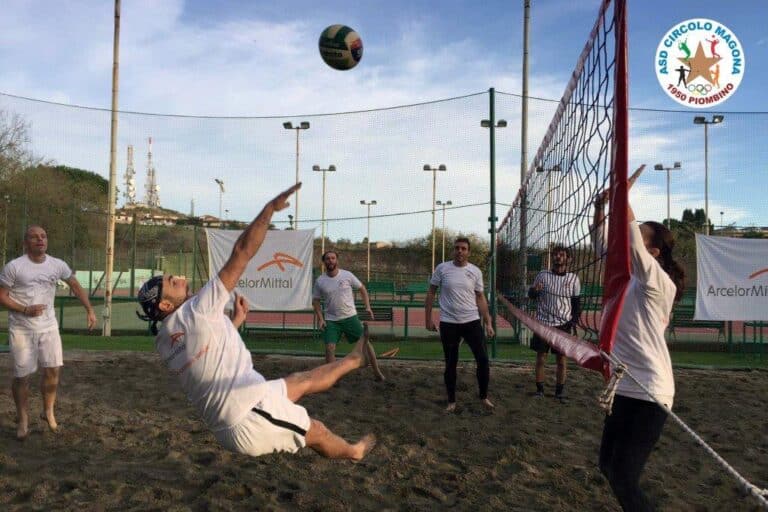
point(413, 289)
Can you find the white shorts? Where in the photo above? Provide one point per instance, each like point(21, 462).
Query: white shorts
point(275, 424)
point(28, 349)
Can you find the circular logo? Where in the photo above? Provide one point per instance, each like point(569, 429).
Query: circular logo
point(699, 63)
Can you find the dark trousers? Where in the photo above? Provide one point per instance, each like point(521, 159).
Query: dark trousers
point(472, 332)
point(629, 435)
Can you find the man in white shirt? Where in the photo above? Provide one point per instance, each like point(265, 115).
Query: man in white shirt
point(462, 303)
point(27, 290)
point(336, 287)
point(201, 346)
point(557, 295)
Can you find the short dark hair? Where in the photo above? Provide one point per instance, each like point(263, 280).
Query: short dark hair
point(464, 240)
point(149, 297)
point(562, 248)
point(326, 253)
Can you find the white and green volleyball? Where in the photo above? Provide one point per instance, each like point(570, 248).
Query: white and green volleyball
point(340, 47)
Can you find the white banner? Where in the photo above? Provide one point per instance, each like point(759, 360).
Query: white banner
point(732, 282)
point(279, 277)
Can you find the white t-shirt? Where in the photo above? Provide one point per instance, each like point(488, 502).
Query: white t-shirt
point(553, 304)
point(31, 283)
point(199, 344)
point(640, 342)
point(458, 285)
point(338, 294)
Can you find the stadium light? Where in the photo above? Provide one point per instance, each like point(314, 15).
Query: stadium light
point(303, 125)
point(368, 238)
point(434, 170)
point(492, 124)
point(316, 168)
point(220, 183)
point(443, 204)
point(722, 225)
point(716, 119)
point(675, 167)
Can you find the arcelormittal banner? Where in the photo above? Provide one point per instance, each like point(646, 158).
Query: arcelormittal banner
point(279, 277)
point(732, 281)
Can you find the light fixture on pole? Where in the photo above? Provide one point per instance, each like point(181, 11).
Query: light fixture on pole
point(434, 170)
point(443, 204)
point(491, 124)
point(368, 237)
point(316, 168)
point(220, 183)
point(722, 224)
point(555, 168)
point(675, 167)
point(290, 221)
point(303, 125)
point(716, 119)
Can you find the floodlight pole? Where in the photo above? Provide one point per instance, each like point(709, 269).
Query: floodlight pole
point(675, 167)
point(111, 196)
point(303, 125)
point(434, 170)
point(368, 238)
point(491, 124)
point(316, 168)
point(443, 204)
point(716, 119)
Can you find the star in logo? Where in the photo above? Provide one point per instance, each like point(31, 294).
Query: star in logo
point(700, 65)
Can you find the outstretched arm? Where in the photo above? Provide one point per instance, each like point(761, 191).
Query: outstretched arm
point(251, 239)
point(82, 296)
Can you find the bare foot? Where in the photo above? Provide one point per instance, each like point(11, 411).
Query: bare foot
point(487, 404)
point(364, 446)
point(22, 430)
point(50, 419)
point(451, 407)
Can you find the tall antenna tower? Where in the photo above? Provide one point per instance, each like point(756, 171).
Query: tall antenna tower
point(152, 197)
point(130, 179)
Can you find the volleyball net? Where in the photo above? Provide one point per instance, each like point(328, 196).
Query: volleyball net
point(583, 152)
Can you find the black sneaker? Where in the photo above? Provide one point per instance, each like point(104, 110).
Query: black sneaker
point(539, 394)
point(561, 398)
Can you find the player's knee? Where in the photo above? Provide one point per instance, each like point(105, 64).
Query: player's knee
point(316, 433)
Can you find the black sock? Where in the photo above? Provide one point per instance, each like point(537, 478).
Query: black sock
point(559, 389)
point(540, 387)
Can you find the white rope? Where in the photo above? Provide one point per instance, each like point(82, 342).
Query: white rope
point(606, 397)
point(749, 487)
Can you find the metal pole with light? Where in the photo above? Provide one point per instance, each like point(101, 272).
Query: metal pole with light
point(443, 204)
point(368, 237)
point(220, 183)
point(434, 170)
point(675, 167)
point(491, 124)
point(716, 119)
point(5, 227)
point(722, 225)
point(316, 168)
point(303, 125)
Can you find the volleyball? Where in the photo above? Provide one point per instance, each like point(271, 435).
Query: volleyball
point(340, 47)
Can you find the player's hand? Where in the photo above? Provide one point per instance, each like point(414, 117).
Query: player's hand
point(34, 310)
point(430, 324)
point(489, 333)
point(321, 324)
point(370, 313)
point(90, 319)
point(632, 179)
point(280, 202)
point(240, 311)
point(538, 286)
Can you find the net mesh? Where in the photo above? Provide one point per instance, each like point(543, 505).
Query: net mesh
point(574, 162)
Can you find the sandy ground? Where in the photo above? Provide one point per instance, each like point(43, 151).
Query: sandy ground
point(129, 441)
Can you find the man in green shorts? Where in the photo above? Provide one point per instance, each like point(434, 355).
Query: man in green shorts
point(336, 287)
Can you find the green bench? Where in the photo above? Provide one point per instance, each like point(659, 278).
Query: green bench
point(413, 289)
point(384, 288)
point(682, 317)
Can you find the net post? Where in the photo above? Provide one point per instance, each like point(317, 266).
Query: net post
point(492, 218)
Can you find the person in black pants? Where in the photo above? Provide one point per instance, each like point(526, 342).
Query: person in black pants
point(635, 423)
point(462, 304)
